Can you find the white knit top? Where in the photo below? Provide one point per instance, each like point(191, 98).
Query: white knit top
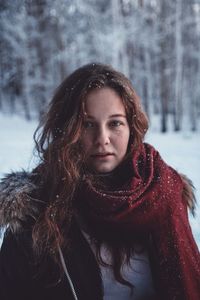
point(138, 273)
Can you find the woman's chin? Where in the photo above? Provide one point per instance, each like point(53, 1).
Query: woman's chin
point(103, 168)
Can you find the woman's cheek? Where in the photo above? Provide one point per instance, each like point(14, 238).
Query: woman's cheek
point(86, 142)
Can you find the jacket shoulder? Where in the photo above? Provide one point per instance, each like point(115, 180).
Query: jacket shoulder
point(18, 199)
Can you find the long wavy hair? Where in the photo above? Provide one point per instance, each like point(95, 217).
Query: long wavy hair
point(57, 140)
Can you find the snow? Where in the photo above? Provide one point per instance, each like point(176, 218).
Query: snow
point(16, 136)
point(180, 150)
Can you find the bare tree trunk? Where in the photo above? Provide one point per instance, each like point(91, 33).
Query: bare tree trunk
point(179, 68)
point(164, 92)
point(145, 96)
point(115, 21)
point(141, 3)
point(61, 48)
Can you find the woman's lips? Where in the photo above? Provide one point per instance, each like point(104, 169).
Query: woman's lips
point(102, 155)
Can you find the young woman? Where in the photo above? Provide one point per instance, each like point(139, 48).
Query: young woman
point(102, 216)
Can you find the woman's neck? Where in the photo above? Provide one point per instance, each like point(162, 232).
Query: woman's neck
point(116, 179)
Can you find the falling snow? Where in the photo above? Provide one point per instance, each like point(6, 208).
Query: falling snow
point(180, 150)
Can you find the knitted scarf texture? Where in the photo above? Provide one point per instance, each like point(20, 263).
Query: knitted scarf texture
point(151, 203)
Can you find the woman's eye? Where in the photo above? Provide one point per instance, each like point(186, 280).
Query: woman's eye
point(88, 124)
point(115, 123)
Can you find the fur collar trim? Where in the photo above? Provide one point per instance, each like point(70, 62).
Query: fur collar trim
point(188, 193)
point(17, 203)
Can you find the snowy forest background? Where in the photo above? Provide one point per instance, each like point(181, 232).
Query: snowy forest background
point(156, 43)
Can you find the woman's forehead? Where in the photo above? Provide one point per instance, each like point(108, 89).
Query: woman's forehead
point(103, 102)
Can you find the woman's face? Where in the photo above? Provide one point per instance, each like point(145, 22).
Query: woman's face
point(106, 131)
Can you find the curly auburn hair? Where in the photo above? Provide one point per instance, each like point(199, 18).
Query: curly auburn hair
point(57, 141)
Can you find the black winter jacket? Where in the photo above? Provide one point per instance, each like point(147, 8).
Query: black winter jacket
point(20, 277)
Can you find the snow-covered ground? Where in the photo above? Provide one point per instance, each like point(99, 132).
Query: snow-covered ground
point(180, 150)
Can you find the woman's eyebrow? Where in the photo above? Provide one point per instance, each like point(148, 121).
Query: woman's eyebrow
point(117, 115)
point(111, 116)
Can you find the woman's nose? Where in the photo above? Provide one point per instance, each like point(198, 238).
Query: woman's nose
point(102, 137)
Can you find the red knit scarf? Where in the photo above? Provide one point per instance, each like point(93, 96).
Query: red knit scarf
point(151, 203)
